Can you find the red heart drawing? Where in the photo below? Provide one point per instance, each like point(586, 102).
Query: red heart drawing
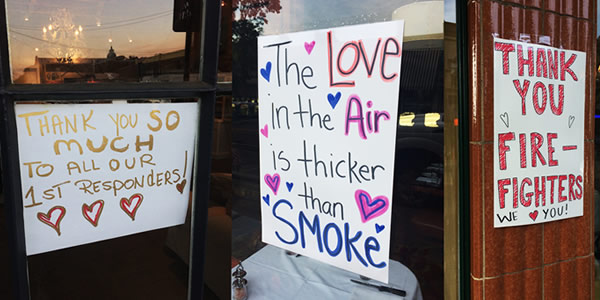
point(130, 206)
point(180, 186)
point(53, 217)
point(533, 215)
point(92, 212)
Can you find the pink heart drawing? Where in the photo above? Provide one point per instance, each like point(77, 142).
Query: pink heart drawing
point(368, 207)
point(273, 182)
point(265, 131)
point(309, 46)
point(533, 215)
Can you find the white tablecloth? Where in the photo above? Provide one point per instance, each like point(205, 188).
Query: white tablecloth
point(272, 274)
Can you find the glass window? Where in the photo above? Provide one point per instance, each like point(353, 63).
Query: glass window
point(124, 176)
point(76, 41)
point(417, 239)
point(85, 42)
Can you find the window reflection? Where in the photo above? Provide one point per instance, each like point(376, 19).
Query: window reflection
point(68, 41)
point(418, 204)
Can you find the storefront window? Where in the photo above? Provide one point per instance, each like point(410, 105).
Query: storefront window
point(97, 235)
point(72, 41)
point(133, 222)
point(417, 233)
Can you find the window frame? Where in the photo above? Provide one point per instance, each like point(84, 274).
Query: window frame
point(204, 90)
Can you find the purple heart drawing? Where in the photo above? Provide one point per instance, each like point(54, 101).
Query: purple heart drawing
point(378, 228)
point(333, 100)
point(265, 131)
point(266, 71)
point(273, 182)
point(266, 199)
point(309, 46)
point(368, 207)
point(290, 185)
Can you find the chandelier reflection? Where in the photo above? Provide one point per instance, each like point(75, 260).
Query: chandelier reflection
point(65, 39)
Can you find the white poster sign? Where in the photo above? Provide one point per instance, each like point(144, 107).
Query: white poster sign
point(91, 172)
point(539, 99)
point(328, 117)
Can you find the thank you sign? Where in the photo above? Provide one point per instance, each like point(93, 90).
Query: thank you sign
point(327, 122)
point(539, 98)
point(91, 172)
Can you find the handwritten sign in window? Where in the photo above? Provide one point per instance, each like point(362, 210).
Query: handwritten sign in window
point(91, 172)
point(539, 99)
point(328, 116)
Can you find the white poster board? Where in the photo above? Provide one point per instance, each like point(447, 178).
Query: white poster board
point(91, 172)
point(328, 117)
point(539, 100)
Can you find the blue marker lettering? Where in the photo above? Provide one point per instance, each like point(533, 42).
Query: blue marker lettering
point(369, 247)
point(349, 244)
point(295, 240)
point(315, 229)
point(338, 233)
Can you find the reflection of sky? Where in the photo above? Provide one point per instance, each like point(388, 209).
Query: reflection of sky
point(450, 11)
point(136, 27)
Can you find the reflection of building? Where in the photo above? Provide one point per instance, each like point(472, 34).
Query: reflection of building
point(160, 67)
point(111, 53)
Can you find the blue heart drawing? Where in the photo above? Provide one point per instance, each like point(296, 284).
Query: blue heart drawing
point(290, 185)
point(266, 71)
point(266, 199)
point(379, 228)
point(333, 100)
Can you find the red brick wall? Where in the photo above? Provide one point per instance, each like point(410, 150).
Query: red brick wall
point(545, 261)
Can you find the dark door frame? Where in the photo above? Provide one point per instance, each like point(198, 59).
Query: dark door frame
point(464, 106)
point(204, 90)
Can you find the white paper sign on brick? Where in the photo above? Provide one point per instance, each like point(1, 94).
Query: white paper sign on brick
point(539, 100)
point(328, 117)
point(91, 172)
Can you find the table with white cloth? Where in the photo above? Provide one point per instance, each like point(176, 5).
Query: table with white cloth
point(273, 274)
